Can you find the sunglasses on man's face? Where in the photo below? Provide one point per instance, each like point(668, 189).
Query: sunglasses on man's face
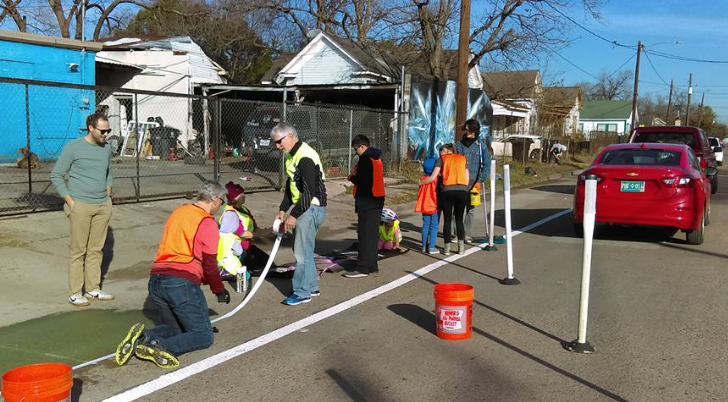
point(278, 142)
point(108, 130)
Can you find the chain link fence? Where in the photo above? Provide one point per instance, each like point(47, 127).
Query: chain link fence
point(165, 145)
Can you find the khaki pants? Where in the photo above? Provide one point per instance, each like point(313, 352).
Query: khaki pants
point(89, 224)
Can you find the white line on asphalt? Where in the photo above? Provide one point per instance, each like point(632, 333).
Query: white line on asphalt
point(212, 361)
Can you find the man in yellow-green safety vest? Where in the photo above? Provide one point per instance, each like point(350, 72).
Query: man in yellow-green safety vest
point(303, 208)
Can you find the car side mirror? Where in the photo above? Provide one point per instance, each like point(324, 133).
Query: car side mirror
point(711, 171)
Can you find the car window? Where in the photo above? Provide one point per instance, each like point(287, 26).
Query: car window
point(714, 142)
point(265, 117)
point(666, 138)
point(694, 161)
point(641, 157)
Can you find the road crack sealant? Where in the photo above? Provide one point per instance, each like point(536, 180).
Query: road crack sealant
point(167, 380)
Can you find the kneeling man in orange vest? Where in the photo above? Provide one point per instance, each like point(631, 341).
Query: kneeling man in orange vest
point(186, 258)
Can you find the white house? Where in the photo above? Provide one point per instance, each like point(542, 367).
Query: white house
point(606, 116)
point(171, 65)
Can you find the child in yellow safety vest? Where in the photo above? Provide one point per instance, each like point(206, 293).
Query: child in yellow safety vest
point(389, 234)
point(236, 231)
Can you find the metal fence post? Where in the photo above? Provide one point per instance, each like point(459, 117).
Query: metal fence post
point(351, 129)
point(139, 137)
point(27, 141)
point(218, 140)
point(281, 165)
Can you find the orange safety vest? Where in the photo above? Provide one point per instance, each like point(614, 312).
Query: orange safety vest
point(453, 170)
point(427, 198)
point(178, 238)
point(377, 178)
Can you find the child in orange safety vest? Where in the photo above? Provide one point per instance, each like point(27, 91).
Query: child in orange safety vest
point(389, 234)
point(427, 205)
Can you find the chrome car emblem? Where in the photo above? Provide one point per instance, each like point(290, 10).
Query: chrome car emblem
point(632, 174)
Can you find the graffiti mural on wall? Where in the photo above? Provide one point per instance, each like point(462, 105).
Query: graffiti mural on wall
point(432, 114)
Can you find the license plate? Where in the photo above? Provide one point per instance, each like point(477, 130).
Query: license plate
point(632, 187)
point(264, 143)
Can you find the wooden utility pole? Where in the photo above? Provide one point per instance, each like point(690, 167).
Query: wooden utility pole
point(700, 111)
point(669, 105)
point(636, 85)
point(461, 108)
point(690, 95)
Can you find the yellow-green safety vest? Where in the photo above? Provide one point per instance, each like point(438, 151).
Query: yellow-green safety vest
point(226, 259)
point(388, 235)
point(304, 151)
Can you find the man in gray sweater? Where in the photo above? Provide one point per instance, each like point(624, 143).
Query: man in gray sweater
point(87, 196)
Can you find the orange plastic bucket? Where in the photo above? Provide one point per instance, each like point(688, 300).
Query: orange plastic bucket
point(45, 382)
point(454, 310)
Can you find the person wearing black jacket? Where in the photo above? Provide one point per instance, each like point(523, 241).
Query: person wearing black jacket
point(368, 180)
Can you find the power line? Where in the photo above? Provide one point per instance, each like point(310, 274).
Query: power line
point(654, 69)
point(579, 68)
point(682, 58)
point(613, 42)
point(620, 67)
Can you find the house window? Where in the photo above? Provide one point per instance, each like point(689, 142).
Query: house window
point(612, 128)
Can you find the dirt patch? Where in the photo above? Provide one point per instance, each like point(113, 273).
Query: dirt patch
point(137, 271)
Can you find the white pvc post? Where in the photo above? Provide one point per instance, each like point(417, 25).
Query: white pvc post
point(510, 279)
point(580, 345)
point(485, 210)
point(491, 246)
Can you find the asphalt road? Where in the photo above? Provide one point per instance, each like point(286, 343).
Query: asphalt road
point(657, 314)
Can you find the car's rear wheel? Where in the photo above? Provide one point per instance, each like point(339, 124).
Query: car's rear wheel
point(714, 184)
point(696, 237)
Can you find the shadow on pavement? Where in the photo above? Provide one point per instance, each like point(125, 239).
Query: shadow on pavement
point(426, 320)
point(694, 250)
point(350, 389)
point(77, 390)
point(556, 188)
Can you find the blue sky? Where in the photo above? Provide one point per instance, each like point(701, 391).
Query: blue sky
point(699, 26)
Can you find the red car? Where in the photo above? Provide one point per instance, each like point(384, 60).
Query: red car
point(648, 184)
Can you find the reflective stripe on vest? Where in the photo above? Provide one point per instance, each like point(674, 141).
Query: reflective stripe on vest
point(427, 198)
point(388, 235)
point(304, 151)
point(453, 170)
point(178, 238)
point(377, 179)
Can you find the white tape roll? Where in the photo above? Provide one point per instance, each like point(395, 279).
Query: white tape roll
point(277, 226)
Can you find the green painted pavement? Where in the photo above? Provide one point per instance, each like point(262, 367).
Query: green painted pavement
point(70, 338)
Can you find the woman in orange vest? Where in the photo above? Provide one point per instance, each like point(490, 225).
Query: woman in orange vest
point(454, 193)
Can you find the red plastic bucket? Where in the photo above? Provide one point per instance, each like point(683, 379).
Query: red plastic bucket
point(454, 310)
point(45, 382)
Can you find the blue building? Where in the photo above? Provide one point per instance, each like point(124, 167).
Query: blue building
point(54, 115)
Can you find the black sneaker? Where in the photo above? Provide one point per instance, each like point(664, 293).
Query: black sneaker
point(154, 352)
point(127, 346)
point(316, 293)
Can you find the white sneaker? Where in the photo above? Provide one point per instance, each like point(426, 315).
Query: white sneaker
point(468, 240)
point(99, 294)
point(433, 251)
point(78, 300)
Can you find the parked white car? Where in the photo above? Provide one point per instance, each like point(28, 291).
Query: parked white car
point(717, 149)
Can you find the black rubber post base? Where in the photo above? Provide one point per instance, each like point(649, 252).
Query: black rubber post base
point(577, 347)
point(509, 281)
point(490, 248)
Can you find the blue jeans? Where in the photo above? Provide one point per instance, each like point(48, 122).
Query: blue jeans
point(183, 311)
point(305, 277)
point(429, 230)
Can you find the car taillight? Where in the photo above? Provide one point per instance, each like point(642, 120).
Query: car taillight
point(677, 181)
point(703, 162)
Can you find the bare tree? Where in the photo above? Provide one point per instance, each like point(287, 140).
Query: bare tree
point(611, 86)
point(11, 8)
